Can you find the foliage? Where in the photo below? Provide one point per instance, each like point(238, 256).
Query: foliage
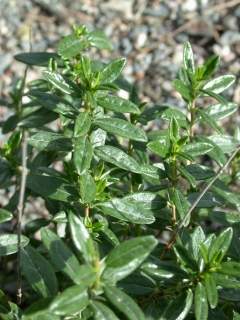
point(116, 193)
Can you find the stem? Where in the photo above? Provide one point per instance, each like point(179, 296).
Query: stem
point(87, 211)
point(192, 110)
point(170, 243)
point(20, 212)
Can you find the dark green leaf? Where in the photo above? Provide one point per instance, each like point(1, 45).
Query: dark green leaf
point(50, 141)
point(82, 124)
point(127, 210)
point(182, 205)
point(112, 71)
point(72, 45)
point(38, 271)
point(5, 215)
point(36, 58)
point(61, 256)
point(51, 187)
point(117, 104)
point(211, 290)
point(9, 243)
point(102, 312)
point(82, 155)
point(72, 300)
point(197, 148)
point(81, 237)
point(200, 302)
point(58, 81)
point(220, 245)
point(87, 188)
point(127, 257)
point(230, 268)
point(124, 303)
point(121, 128)
point(182, 89)
point(118, 158)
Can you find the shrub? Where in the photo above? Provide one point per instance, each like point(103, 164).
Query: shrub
point(141, 224)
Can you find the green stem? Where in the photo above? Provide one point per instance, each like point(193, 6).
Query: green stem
point(192, 110)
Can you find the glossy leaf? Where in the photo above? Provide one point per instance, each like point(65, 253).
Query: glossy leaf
point(200, 302)
point(118, 104)
point(219, 84)
point(72, 300)
point(81, 237)
point(112, 70)
point(123, 303)
point(50, 141)
point(102, 312)
point(82, 155)
point(58, 81)
point(220, 245)
point(118, 158)
point(61, 256)
point(38, 272)
point(126, 210)
point(9, 244)
point(230, 268)
point(197, 148)
point(72, 45)
point(87, 188)
point(121, 128)
point(188, 59)
point(5, 215)
point(36, 58)
point(211, 290)
point(221, 111)
point(127, 257)
point(82, 124)
point(181, 204)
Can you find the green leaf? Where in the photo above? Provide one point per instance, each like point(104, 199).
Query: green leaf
point(72, 300)
point(182, 89)
point(230, 268)
point(102, 312)
point(72, 45)
point(161, 147)
point(53, 103)
point(88, 188)
point(200, 172)
point(58, 81)
point(211, 290)
point(200, 302)
point(36, 58)
point(227, 143)
point(197, 148)
point(81, 237)
point(219, 84)
point(236, 316)
point(197, 238)
point(51, 187)
point(38, 272)
point(9, 244)
point(209, 121)
point(82, 155)
point(112, 71)
point(126, 210)
point(148, 200)
point(5, 215)
point(121, 128)
point(182, 205)
point(118, 158)
point(61, 256)
point(98, 138)
point(185, 257)
point(178, 308)
point(117, 104)
point(123, 303)
point(127, 257)
point(220, 245)
point(82, 124)
point(209, 67)
point(187, 175)
point(221, 111)
point(99, 40)
point(188, 59)
point(214, 95)
point(50, 141)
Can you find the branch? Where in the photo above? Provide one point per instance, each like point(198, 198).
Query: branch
point(170, 243)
